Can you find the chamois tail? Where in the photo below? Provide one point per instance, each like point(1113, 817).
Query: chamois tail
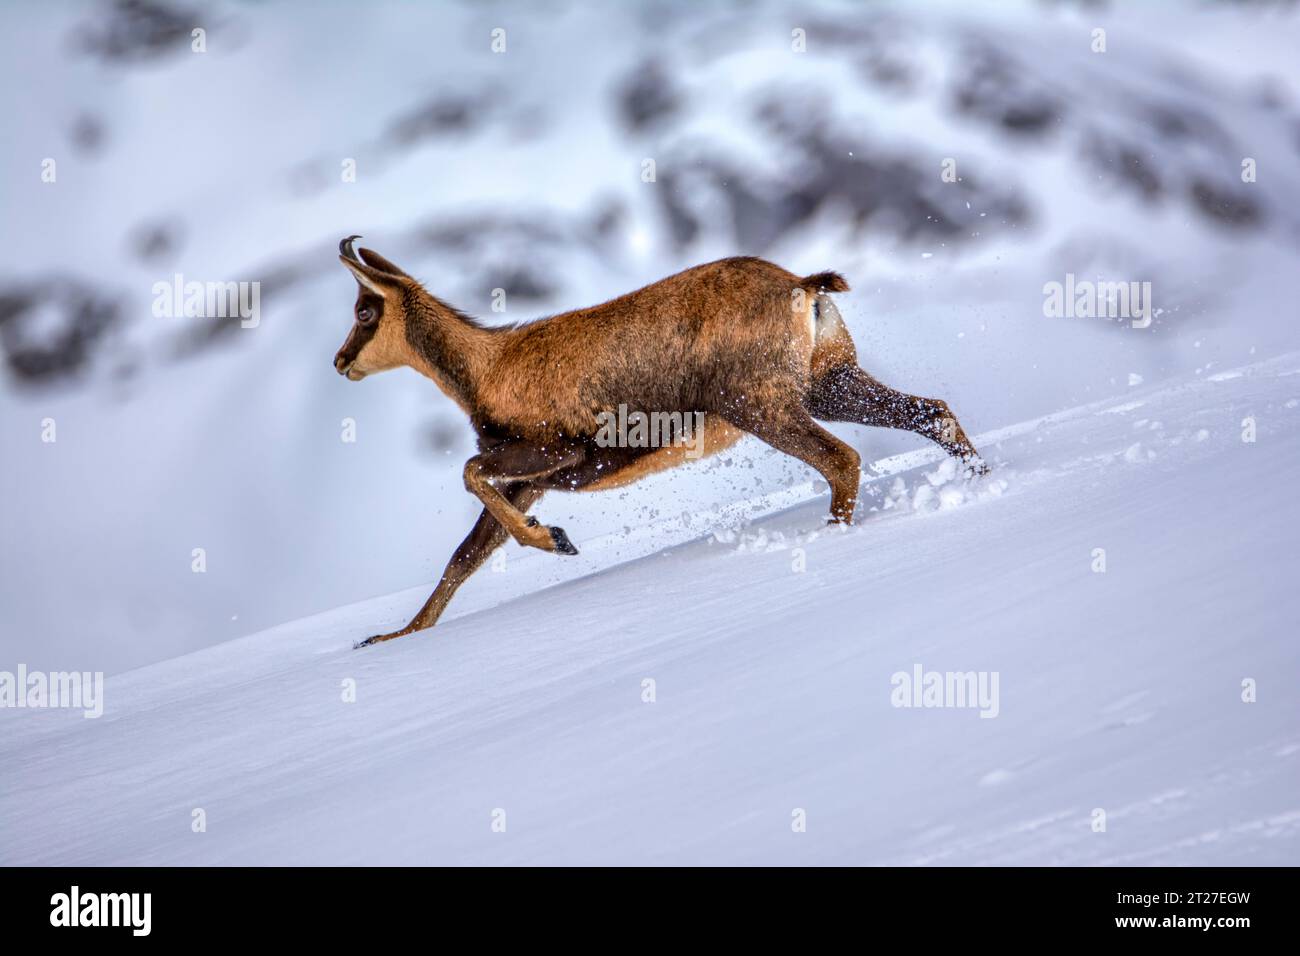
point(824, 282)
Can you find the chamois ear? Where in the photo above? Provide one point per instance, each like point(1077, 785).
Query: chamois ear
point(382, 264)
point(370, 279)
point(374, 279)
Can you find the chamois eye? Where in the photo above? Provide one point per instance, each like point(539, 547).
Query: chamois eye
point(365, 315)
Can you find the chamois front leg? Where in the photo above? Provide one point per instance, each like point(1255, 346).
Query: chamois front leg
point(486, 536)
point(519, 460)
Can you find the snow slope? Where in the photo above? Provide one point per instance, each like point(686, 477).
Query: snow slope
point(182, 433)
point(1118, 691)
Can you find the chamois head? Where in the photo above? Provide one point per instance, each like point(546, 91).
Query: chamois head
point(378, 339)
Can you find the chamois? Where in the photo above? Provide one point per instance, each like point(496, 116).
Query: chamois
point(747, 345)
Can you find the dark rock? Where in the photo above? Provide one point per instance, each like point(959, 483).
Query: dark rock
point(647, 96)
point(48, 330)
point(130, 31)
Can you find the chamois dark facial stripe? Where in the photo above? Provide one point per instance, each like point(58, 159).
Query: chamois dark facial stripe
point(357, 340)
point(361, 335)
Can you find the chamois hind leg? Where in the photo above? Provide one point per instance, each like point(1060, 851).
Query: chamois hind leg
point(486, 536)
point(791, 430)
point(845, 393)
point(520, 461)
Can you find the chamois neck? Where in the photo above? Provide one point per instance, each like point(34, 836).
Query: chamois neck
point(448, 346)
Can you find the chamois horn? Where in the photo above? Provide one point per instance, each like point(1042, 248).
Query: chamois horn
point(346, 250)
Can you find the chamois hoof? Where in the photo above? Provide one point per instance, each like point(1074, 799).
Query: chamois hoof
point(561, 542)
point(376, 639)
point(977, 468)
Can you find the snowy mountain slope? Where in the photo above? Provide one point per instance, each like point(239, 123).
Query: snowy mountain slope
point(178, 433)
point(1118, 691)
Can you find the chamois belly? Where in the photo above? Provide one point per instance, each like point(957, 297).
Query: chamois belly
point(606, 468)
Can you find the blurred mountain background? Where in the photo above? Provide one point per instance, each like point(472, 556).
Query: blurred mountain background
point(525, 170)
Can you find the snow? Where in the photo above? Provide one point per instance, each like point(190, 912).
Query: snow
point(236, 447)
point(1119, 690)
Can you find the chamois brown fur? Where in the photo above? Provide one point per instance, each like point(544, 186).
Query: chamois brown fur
point(747, 345)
